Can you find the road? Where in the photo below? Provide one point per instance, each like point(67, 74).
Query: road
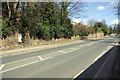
point(59, 62)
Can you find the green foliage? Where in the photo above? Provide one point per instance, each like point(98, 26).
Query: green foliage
point(84, 31)
point(5, 29)
point(91, 30)
point(45, 20)
point(110, 31)
point(105, 30)
point(46, 33)
point(76, 32)
point(99, 29)
point(95, 27)
point(81, 31)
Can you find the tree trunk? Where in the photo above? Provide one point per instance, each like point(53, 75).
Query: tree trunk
point(96, 34)
point(16, 37)
point(27, 38)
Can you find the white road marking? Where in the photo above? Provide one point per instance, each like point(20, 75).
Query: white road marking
point(72, 49)
point(78, 74)
point(113, 43)
point(110, 47)
point(2, 66)
point(103, 64)
point(100, 55)
point(24, 65)
point(90, 44)
point(21, 60)
point(62, 51)
point(56, 45)
point(40, 57)
point(93, 61)
point(116, 42)
point(48, 58)
point(68, 50)
point(19, 66)
point(103, 53)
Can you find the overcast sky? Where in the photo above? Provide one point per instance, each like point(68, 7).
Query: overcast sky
point(99, 11)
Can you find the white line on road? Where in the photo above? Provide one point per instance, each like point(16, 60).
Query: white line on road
point(99, 55)
point(42, 47)
point(62, 51)
point(2, 66)
point(109, 47)
point(103, 64)
point(48, 58)
point(67, 50)
point(40, 57)
point(19, 66)
point(21, 60)
point(24, 65)
point(103, 53)
point(78, 74)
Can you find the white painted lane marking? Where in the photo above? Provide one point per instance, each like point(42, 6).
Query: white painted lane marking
point(48, 58)
point(109, 47)
point(103, 53)
point(62, 51)
point(73, 48)
point(26, 59)
point(100, 55)
point(78, 74)
point(21, 60)
point(113, 43)
point(103, 64)
point(2, 66)
point(19, 66)
point(92, 62)
point(53, 45)
point(40, 57)
point(24, 65)
point(34, 61)
point(76, 48)
point(67, 50)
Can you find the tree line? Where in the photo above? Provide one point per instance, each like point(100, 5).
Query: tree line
point(46, 20)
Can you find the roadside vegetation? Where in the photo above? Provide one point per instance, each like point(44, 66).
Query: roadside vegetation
point(47, 20)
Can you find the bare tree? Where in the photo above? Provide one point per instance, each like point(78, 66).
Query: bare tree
point(91, 22)
point(103, 21)
point(117, 8)
point(76, 9)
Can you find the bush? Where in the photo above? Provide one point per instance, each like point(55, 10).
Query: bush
point(81, 31)
point(5, 29)
point(100, 30)
point(105, 30)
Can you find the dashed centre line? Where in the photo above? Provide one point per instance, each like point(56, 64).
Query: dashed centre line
point(42, 59)
point(25, 64)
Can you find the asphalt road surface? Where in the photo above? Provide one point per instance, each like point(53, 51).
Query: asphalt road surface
point(60, 62)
